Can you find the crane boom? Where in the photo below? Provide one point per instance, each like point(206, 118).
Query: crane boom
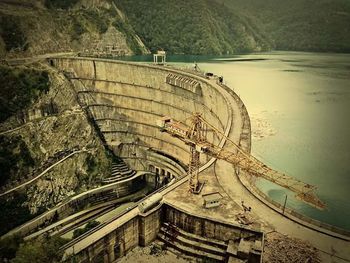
point(236, 156)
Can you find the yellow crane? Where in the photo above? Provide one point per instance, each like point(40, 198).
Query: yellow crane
point(195, 136)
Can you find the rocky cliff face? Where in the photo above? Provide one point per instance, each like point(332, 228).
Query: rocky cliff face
point(46, 138)
point(32, 27)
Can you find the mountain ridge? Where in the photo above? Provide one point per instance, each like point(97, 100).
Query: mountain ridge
point(198, 27)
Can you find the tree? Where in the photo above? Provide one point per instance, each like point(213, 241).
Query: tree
point(8, 247)
point(90, 225)
point(40, 251)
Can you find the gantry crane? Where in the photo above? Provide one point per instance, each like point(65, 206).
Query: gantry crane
point(195, 136)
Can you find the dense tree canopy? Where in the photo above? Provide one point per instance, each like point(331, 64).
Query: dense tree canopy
point(230, 26)
point(11, 33)
point(39, 251)
point(192, 27)
point(304, 25)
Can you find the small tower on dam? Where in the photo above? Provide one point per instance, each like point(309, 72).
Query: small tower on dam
point(159, 58)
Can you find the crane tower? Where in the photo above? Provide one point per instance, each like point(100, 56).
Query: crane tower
point(195, 136)
point(195, 133)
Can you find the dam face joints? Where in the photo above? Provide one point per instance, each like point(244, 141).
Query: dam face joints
point(220, 102)
point(216, 108)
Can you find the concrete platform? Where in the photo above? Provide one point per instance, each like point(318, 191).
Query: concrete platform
point(223, 180)
point(229, 211)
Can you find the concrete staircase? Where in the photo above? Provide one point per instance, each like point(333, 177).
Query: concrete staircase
point(120, 171)
point(192, 245)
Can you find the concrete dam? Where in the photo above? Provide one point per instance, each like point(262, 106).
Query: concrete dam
point(125, 101)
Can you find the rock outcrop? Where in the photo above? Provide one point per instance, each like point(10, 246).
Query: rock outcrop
point(49, 137)
point(29, 28)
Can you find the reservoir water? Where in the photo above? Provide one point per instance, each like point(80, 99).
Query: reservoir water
point(299, 104)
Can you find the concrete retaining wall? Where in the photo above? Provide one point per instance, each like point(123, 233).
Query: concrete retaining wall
point(142, 229)
point(206, 227)
point(138, 231)
point(114, 245)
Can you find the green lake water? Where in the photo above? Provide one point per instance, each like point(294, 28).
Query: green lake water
point(299, 105)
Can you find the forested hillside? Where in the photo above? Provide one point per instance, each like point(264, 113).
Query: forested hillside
point(226, 26)
point(193, 27)
point(30, 27)
point(304, 25)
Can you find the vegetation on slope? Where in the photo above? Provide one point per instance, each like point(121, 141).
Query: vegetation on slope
point(62, 4)
point(100, 18)
point(90, 225)
point(192, 27)
point(8, 247)
point(179, 26)
point(62, 26)
point(15, 162)
point(90, 21)
point(11, 33)
point(301, 25)
point(13, 249)
point(226, 26)
point(19, 88)
point(128, 31)
point(26, 150)
point(15, 159)
point(40, 251)
point(13, 212)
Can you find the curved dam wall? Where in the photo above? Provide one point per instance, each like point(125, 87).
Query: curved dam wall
point(126, 100)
